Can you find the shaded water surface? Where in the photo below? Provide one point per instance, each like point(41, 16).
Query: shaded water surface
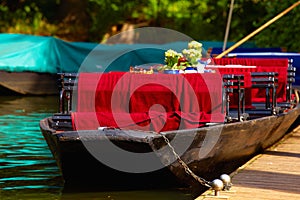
point(27, 168)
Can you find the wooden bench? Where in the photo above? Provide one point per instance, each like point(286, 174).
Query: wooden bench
point(233, 84)
point(66, 84)
point(267, 81)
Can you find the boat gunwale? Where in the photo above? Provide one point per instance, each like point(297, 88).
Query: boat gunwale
point(139, 135)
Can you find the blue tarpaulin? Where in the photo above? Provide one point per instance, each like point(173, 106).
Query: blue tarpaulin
point(21, 52)
point(45, 54)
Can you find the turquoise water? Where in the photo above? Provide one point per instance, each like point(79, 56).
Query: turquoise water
point(27, 168)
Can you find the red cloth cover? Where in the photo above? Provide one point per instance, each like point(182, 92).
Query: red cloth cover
point(156, 102)
point(279, 65)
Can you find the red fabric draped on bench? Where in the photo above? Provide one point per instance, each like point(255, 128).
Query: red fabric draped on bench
point(262, 65)
point(156, 102)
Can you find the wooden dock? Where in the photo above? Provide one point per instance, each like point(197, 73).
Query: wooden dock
point(275, 174)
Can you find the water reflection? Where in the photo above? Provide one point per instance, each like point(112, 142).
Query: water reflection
point(26, 164)
point(27, 168)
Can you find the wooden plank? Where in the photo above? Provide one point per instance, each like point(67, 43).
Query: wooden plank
point(275, 174)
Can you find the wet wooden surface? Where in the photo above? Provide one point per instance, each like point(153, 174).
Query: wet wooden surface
point(275, 174)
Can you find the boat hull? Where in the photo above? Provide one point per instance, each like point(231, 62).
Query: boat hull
point(28, 83)
point(80, 168)
point(211, 152)
point(236, 144)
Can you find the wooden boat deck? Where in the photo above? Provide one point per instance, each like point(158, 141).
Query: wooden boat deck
point(275, 174)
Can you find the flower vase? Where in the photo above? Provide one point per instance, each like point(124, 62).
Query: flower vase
point(200, 67)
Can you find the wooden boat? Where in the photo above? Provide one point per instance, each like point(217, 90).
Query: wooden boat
point(188, 157)
point(178, 156)
point(28, 83)
point(232, 149)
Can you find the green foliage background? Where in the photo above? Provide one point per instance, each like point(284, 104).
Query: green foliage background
point(94, 20)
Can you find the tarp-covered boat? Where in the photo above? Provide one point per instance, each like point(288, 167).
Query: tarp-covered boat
point(29, 64)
